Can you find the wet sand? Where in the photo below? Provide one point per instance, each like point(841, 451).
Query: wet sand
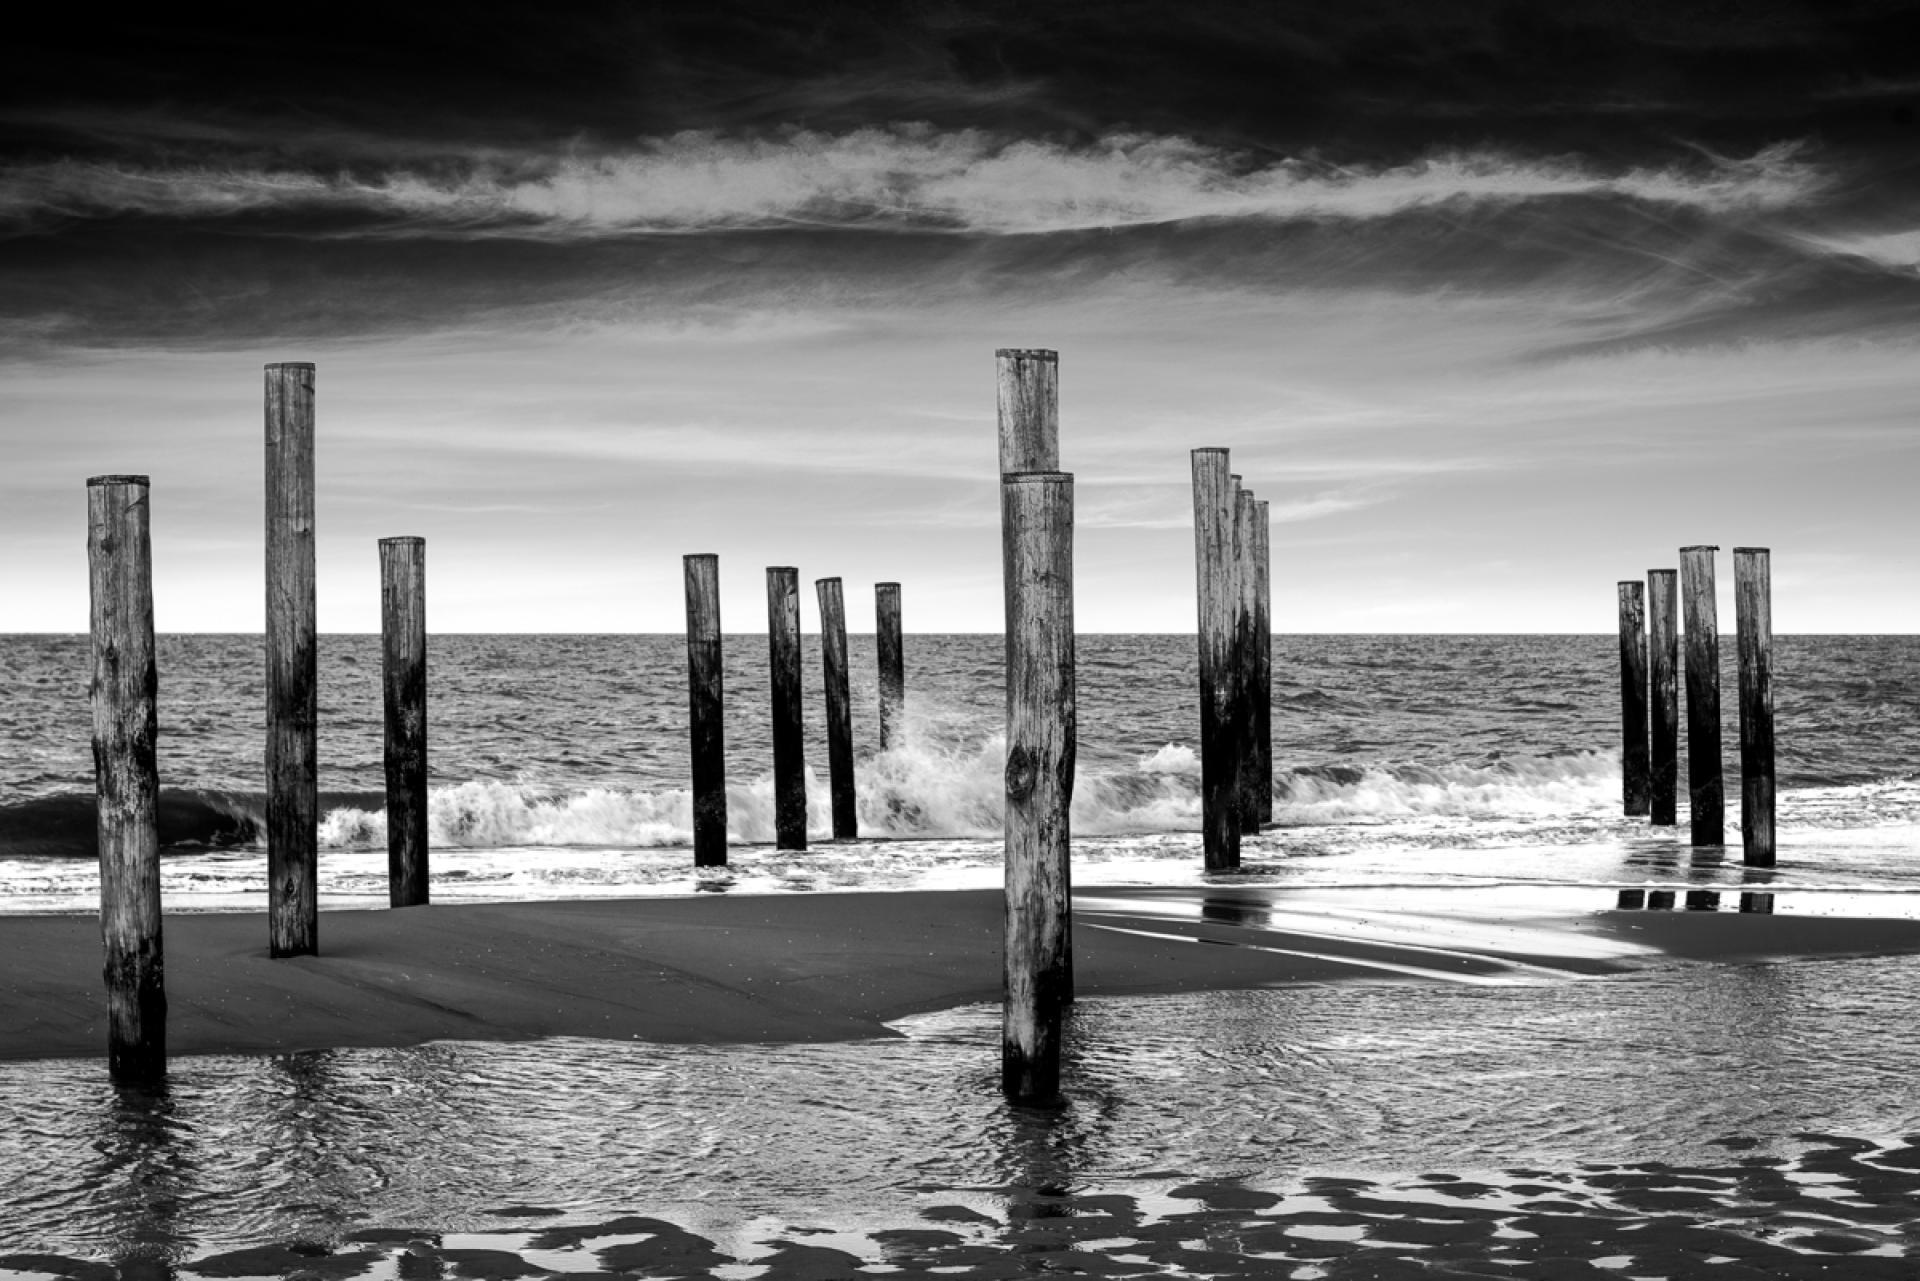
point(1841, 1208)
point(723, 968)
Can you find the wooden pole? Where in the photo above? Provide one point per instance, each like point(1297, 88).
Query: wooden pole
point(124, 691)
point(1029, 393)
point(1246, 676)
point(293, 668)
point(1753, 621)
point(403, 635)
point(789, 732)
point(1262, 663)
point(1036, 522)
point(1706, 790)
point(1213, 520)
point(893, 669)
point(706, 710)
point(1634, 765)
point(1663, 640)
point(833, 659)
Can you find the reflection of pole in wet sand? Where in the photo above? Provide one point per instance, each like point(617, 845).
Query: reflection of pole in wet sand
point(144, 1174)
point(312, 1126)
point(1040, 1155)
point(1219, 910)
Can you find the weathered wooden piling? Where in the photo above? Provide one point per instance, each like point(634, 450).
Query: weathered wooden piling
point(833, 662)
point(1753, 625)
point(403, 666)
point(1635, 783)
point(1036, 521)
point(1663, 748)
point(789, 732)
point(706, 717)
point(1029, 394)
point(293, 668)
point(1214, 505)
point(893, 667)
point(124, 691)
point(1707, 802)
point(1246, 677)
point(1263, 662)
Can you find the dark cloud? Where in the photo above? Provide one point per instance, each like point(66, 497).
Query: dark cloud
point(1386, 78)
point(383, 168)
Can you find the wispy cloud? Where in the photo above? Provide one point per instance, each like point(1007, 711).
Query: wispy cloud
point(1899, 249)
point(907, 177)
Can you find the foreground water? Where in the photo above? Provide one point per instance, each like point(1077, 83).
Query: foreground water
point(1749, 1119)
point(1752, 1112)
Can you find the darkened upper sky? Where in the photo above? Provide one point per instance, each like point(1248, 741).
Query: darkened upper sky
point(1436, 214)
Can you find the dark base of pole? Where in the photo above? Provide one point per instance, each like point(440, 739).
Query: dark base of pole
point(137, 1020)
point(1032, 1083)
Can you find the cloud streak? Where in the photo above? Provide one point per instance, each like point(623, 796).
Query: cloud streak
point(909, 178)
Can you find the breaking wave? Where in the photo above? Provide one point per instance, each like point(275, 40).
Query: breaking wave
point(930, 791)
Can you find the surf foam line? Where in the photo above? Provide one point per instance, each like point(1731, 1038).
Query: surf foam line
point(958, 791)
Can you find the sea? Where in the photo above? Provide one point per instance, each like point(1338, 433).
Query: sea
point(1301, 1132)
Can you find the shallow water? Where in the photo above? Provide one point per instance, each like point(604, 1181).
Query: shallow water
point(1688, 1067)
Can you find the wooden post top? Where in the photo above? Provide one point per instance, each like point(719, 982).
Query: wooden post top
point(290, 364)
point(783, 569)
point(701, 556)
point(117, 480)
point(1762, 550)
point(834, 579)
point(1702, 547)
point(1211, 449)
point(895, 586)
point(402, 538)
point(1026, 353)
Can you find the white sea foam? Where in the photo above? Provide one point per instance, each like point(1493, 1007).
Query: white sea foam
point(933, 788)
point(1526, 787)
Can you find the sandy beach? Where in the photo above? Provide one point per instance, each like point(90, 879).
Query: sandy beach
point(783, 968)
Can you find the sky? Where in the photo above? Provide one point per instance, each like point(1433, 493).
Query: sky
point(1495, 303)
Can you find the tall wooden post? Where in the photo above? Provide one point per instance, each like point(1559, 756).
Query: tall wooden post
point(1214, 504)
point(706, 710)
point(1036, 522)
point(293, 668)
point(893, 668)
point(1753, 623)
point(403, 635)
point(125, 691)
point(1262, 663)
point(789, 733)
point(1706, 790)
point(1663, 642)
point(833, 660)
point(1246, 676)
point(1634, 765)
point(1029, 393)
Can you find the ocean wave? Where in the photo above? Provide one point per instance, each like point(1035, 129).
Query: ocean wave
point(1520, 787)
point(928, 790)
point(943, 787)
point(65, 825)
